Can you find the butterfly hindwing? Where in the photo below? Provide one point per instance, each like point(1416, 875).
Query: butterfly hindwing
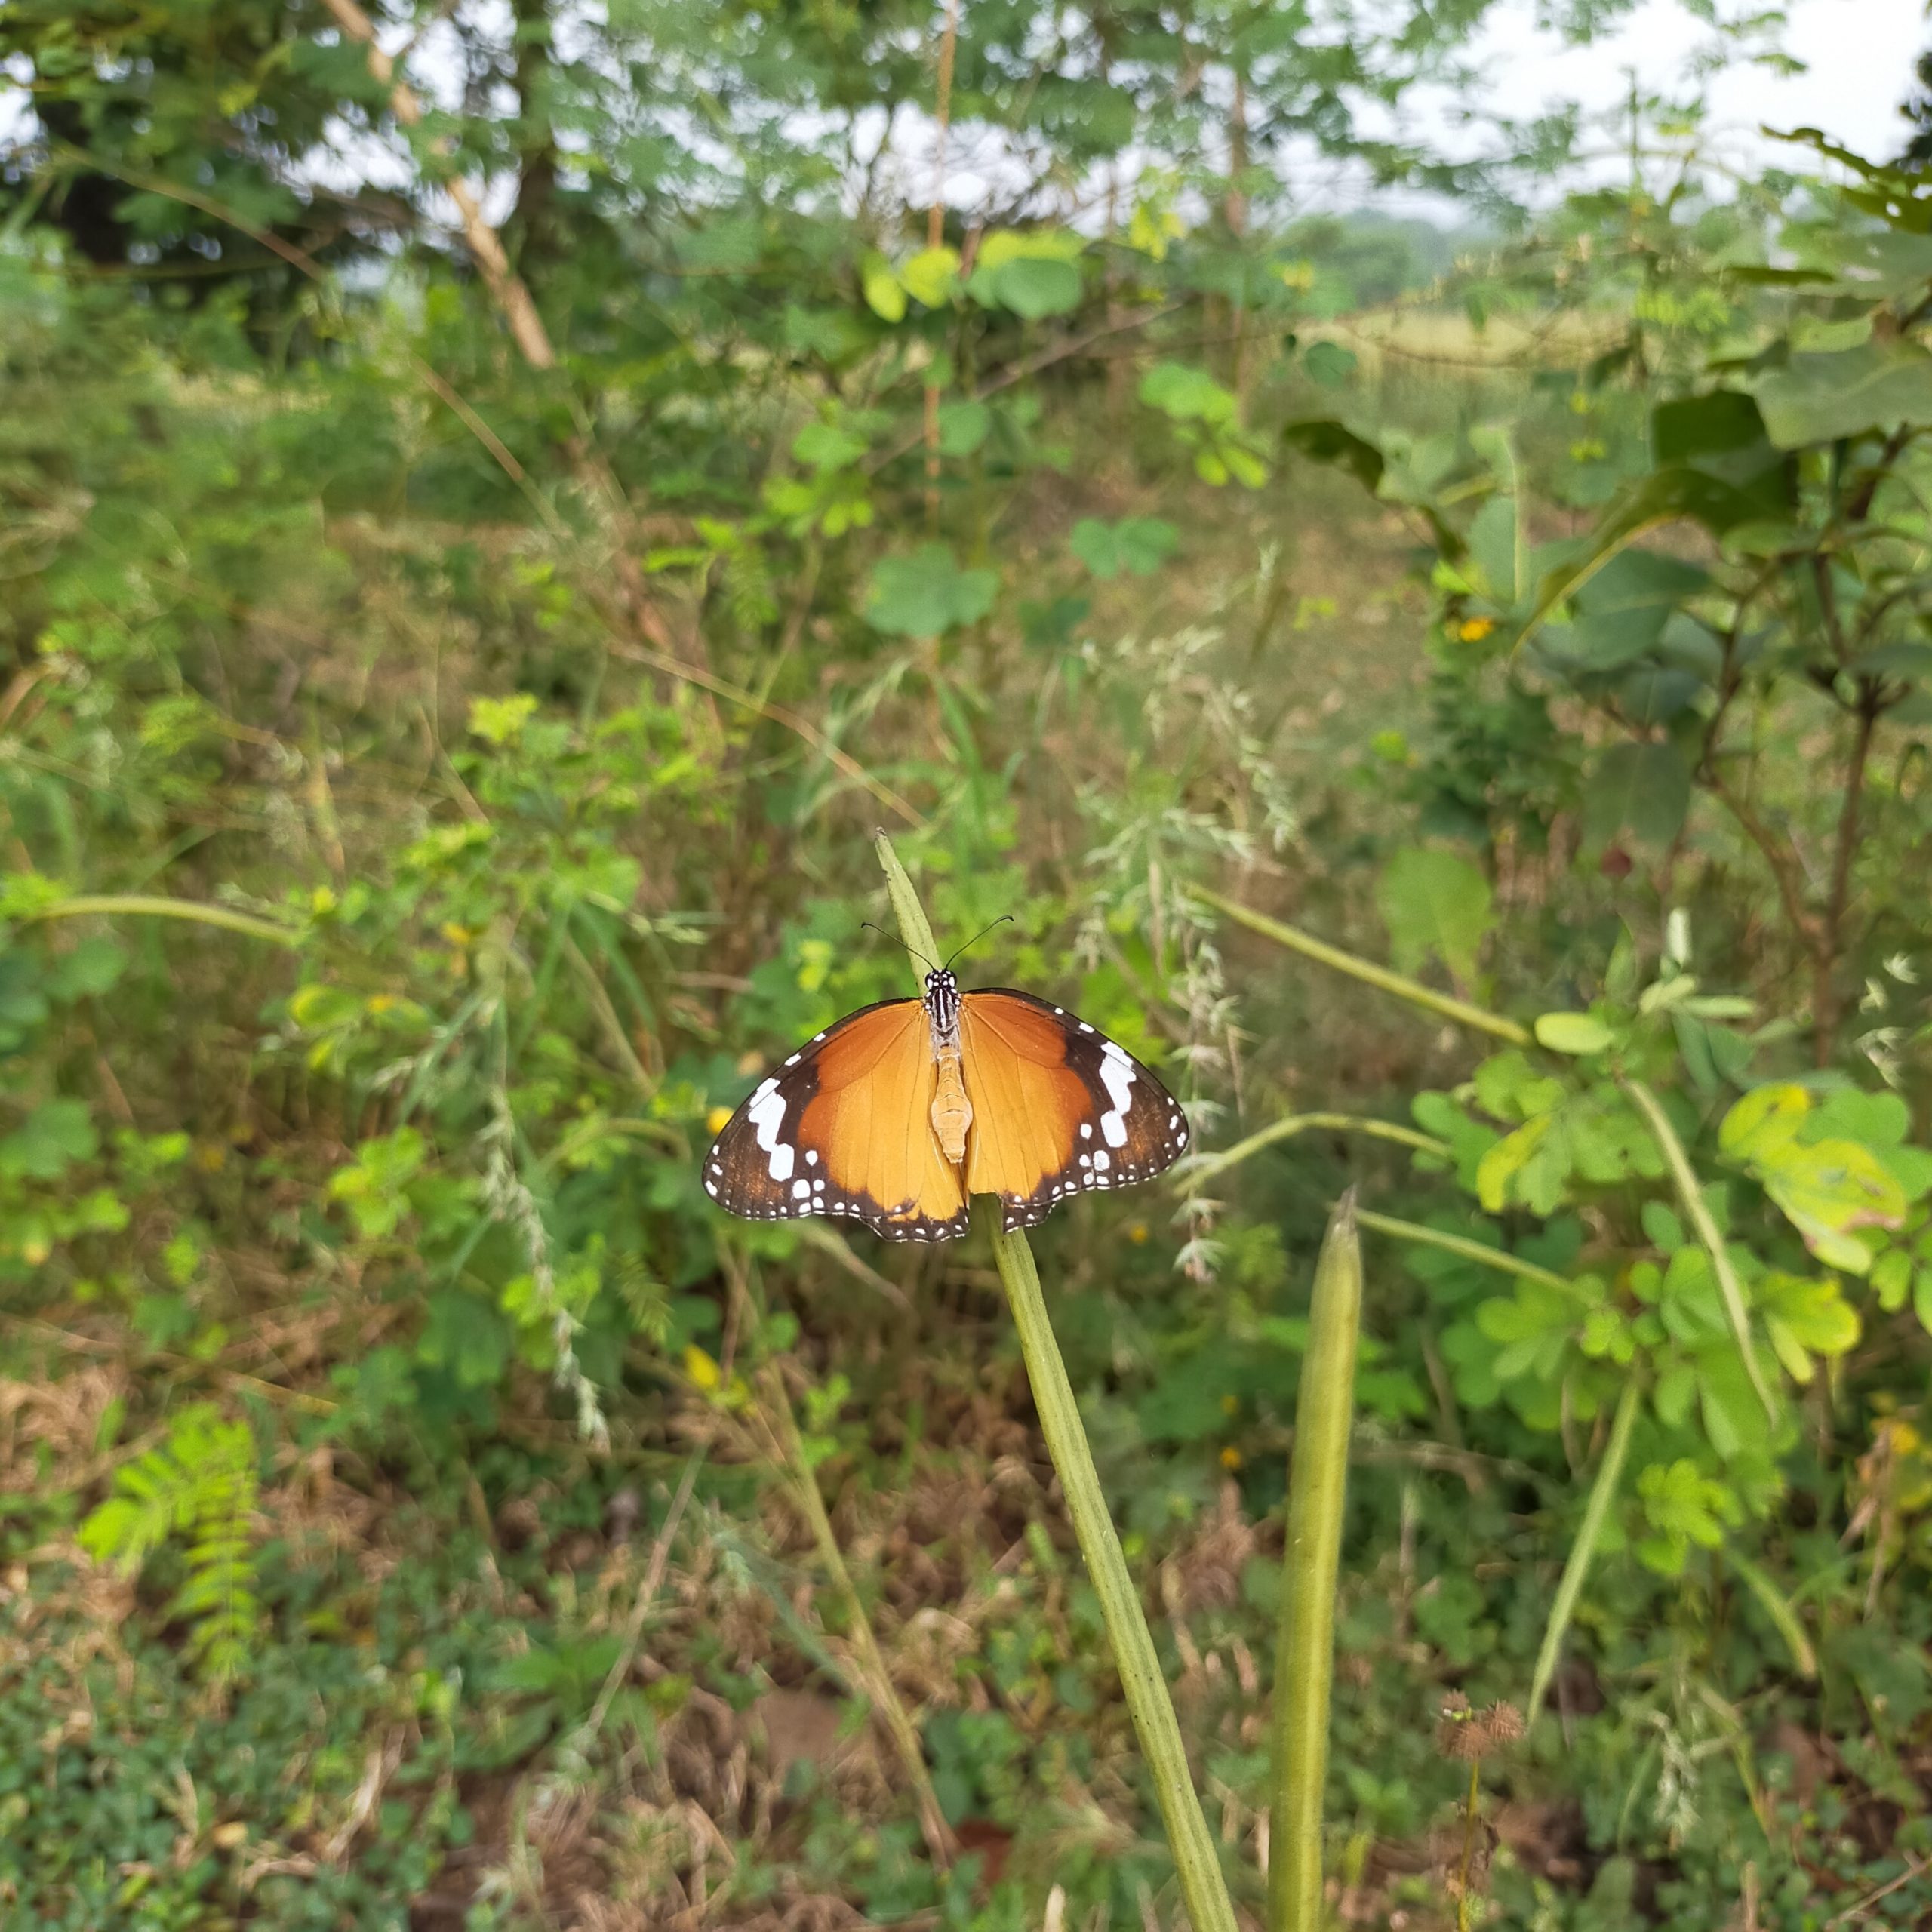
point(844, 1127)
point(1058, 1108)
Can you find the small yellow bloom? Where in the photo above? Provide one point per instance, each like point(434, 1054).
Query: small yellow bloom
point(1230, 1458)
point(457, 935)
point(380, 1003)
point(701, 1370)
point(211, 1158)
point(717, 1119)
point(1137, 1234)
point(1473, 630)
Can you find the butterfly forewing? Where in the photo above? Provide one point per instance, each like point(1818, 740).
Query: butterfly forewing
point(844, 1127)
point(1057, 1107)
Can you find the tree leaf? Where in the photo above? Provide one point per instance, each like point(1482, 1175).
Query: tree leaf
point(1572, 1033)
point(1819, 398)
point(928, 594)
point(1434, 901)
point(884, 295)
point(1643, 788)
point(1035, 288)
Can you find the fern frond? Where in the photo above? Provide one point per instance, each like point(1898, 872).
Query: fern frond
point(201, 1483)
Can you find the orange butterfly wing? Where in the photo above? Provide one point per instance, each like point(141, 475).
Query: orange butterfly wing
point(1058, 1108)
point(844, 1127)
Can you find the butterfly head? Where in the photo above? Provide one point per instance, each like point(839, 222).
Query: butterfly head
point(942, 1000)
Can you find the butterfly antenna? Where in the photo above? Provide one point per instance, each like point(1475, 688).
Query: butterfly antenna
point(866, 926)
point(1005, 919)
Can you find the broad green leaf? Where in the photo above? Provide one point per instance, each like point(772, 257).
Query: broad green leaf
point(1329, 364)
point(931, 275)
point(1139, 544)
point(1033, 287)
point(1434, 901)
point(1575, 1033)
point(499, 721)
point(1805, 1317)
point(1527, 1168)
point(1641, 789)
point(1828, 1188)
point(928, 594)
point(1765, 1119)
point(1186, 394)
point(963, 427)
point(1821, 398)
point(828, 446)
point(884, 295)
point(57, 1133)
point(1511, 1086)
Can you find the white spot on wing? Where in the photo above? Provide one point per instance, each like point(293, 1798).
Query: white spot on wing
point(1102, 1160)
point(767, 1114)
point(1117, 1076)
point(801, 1190)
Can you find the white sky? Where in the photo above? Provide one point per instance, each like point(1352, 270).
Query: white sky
point(1858, 53)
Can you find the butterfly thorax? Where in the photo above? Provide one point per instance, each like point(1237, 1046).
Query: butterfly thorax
point(952, 1112)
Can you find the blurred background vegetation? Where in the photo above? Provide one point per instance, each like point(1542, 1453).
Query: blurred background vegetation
point(492, 520)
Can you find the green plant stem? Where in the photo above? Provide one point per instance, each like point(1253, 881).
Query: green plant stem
point(1305, 1655)
point(1211, 1166)
point(1380, 977)
point(1691, 1194)
point(1470, 1250)
point(1196, 1864)
point(1778, 1608)
point(145, 906)
point(1469, 1807)
point(878, 1680)
point(1603, 1492)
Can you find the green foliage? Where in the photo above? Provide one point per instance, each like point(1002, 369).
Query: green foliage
point(540, 717)
point(198, 1487)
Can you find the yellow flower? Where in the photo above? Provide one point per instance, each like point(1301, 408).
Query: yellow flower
point(717, 1119)
point(1473, 630)
point(457, 935)
point(380, 1003)
point(701, 1370)
point(211, 1158)
point(1137, 1234)
point(1231, 1457)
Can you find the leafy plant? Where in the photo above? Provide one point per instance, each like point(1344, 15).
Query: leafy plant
point(198, 1489)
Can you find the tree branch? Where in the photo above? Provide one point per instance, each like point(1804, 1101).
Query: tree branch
point(486, 248)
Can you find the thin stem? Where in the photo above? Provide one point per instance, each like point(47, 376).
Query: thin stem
point(486, 248)
point(144, 906)
point(1498, 1258)
point(935, 235)
point(879, 1686)
point(1305, 1654)
point(1381, 977)
point(1196, 1864)
point(1210, 1167)
point(1691, 1194)
point(1603, 1492)
point(1778, 1608)
point(1469, 1804)
point(1831, 940)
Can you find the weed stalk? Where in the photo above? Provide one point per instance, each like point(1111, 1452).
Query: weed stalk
point(1196, 1864)
point(1305, 1657)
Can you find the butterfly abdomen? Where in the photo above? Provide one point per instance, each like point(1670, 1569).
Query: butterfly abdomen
point(952, 1112)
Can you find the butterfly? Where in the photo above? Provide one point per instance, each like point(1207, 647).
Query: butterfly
point(902, 1110)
